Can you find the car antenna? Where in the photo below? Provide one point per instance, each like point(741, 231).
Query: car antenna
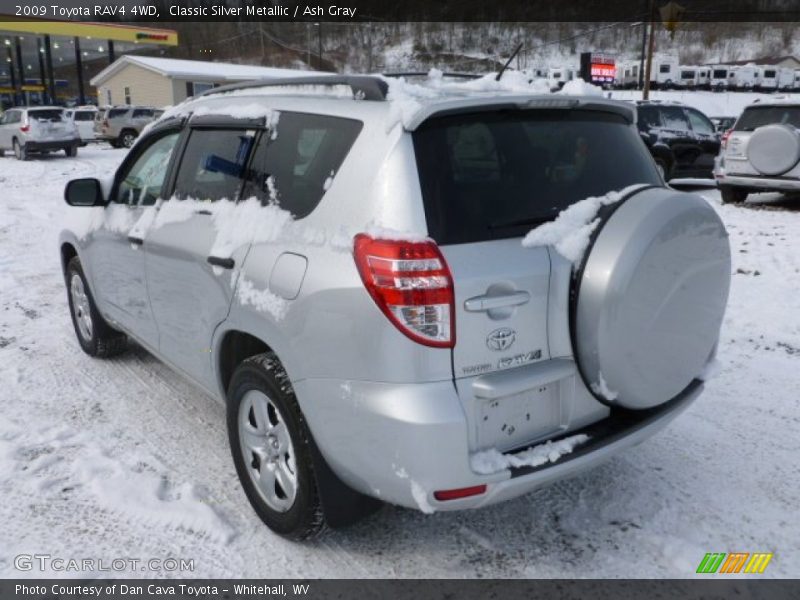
point(508, 62)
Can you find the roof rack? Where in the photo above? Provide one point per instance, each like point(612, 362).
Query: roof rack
point(364, 87)
point(454, 75)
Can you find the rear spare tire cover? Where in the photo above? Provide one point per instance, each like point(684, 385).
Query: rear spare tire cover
point(649, 298)
point(774, 149)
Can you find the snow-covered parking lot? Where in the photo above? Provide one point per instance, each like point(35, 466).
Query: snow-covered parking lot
point(122, 458)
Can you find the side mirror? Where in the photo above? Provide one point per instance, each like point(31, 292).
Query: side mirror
point(84, 192)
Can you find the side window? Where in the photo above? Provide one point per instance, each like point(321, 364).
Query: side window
point(301, 161)
point(142, 182)
point(647, 118)
point(674, 118)
point(664, 68)
point(213, 164)
point(142, 112)
point(700, 123)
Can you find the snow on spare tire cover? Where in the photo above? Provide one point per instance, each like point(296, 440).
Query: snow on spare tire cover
point(649, 297)
point(774, 149)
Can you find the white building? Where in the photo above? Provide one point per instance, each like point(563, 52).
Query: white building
point(166, 81)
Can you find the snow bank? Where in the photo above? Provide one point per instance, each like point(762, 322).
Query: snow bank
point(491, 461)
point(579, 87)
point(569, 234)
point(380, 232)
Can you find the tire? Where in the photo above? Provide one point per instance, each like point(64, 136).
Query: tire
point(2, 153)
point(127, 138)
point(261, 404)
point(96, 337)
point(114, 144)
point(71, 151)
point(732, 195)
point(19, 151)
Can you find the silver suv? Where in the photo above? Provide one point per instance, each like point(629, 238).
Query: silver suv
point(121, 125)
point(431, 303)
point(762, 151)
point(37, 130)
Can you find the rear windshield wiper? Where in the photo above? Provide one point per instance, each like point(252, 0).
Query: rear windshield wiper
point(520, 222)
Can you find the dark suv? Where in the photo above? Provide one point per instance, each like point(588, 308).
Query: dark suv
point(682, 140)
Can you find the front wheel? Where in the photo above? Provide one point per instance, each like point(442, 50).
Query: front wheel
point(96, 337)
point(271, 448)
point(127, 138)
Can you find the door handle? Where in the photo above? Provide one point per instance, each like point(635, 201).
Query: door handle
point(482, 303)
point(136, 241)
point(225, 263)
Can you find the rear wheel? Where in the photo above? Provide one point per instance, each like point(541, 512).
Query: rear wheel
point(19, 151)
point(271, 448)
point(732, 195)
point(127, 138)
point(71, 151)
point(96, 337)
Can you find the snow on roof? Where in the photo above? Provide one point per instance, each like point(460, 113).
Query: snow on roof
point(196, 69)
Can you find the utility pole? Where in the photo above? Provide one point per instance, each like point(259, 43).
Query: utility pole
point(650, 47)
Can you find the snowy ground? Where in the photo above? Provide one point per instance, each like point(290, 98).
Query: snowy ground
point(122, 458)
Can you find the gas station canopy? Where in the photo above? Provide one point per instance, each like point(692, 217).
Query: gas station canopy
point(30, 49)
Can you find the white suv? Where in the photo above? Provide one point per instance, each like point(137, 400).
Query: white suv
point(762, 151)
point(40, 129)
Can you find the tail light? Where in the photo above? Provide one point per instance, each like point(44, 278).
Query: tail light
point(445, 495)
point(724, 139)
point(25, 127)
point(105, 123)
point(411, 283)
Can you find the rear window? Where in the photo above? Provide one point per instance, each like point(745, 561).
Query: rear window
point(497, 175)
point(46, 115)
point(116, 112)
point(84, 115)
point(758, 116)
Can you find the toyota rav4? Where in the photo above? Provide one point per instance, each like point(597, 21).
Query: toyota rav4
point(433, 300)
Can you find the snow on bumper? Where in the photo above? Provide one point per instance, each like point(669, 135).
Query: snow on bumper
point(402, 442)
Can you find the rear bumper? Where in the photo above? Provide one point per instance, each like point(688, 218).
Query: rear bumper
point(402, 442)
point(759, 183)
point(49, 145)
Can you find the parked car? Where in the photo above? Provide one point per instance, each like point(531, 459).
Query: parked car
point(83, 117)
point(37, 130)
point(762, 151)
point(682, 140)
point(361, 292)
point(121, 125)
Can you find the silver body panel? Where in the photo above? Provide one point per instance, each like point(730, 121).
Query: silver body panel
point(393, 418)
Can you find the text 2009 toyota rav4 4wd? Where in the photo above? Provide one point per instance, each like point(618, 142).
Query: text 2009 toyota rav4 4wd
point(352, 275)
